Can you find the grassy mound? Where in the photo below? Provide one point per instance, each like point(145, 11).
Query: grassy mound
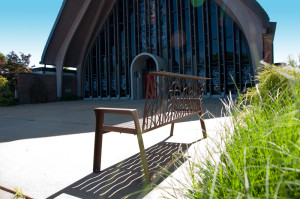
point(262, 156)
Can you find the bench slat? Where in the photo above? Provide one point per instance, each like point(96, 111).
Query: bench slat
point(119, 129)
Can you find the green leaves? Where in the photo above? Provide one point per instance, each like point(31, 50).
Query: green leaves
point(13, 65)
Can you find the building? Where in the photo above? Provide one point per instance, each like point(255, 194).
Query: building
point(115, 43)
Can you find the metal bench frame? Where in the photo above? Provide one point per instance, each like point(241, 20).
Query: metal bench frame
point(170, 97)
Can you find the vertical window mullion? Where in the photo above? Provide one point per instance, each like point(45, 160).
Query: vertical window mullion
point(234, 57)
point(135, 32)
point(224, 52)
point(137, 27)
point(167, 28)
point(91, 76)
point(148, 28)
point(109, 57)
point(106, 71)
point(178, 27)
point(195, 50)
point(126, 20)
point(117, 53)
point(170, 36)
point(158, 28)
point(191, 36)
point(240, 61)
point(182, 40)
point(219, 54)
point(98, 66)
point(207, 35)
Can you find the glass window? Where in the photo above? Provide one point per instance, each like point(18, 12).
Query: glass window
point(245, 58)
point(229, 49)
point(153, 23)
point(174, 5)
point(186, 3)
point(143, 25)
point(175, 32)
point(228, 26)
point(163, 21)
point(123, 47)
point(213, 7)
point(187, 25)
point(188, 54)
point(131, 29)
point(213, 25)
point(201, 53)
point(132, 39)
point(215, 54)
point(104, 77)
point(200, 24)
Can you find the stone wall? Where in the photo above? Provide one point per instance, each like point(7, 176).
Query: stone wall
point(38, 88)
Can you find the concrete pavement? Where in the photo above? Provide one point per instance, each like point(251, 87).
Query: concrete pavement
point(47, 149)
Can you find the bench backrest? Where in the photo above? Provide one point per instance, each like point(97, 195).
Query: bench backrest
point(171, 97)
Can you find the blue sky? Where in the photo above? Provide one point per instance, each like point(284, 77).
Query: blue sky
point(26, 25)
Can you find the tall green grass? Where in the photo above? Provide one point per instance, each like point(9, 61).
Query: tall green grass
point(261, 157)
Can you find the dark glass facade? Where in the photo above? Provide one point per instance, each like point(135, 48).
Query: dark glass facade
point(193, 37)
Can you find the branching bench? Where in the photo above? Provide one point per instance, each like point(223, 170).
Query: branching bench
point(170, 97)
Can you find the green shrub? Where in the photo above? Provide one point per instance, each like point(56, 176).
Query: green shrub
point(274, 81)
point(6, 95)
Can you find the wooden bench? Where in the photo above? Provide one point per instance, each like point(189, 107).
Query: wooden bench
point(171, 98)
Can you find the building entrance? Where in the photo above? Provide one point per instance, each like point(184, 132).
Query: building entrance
point(149, 66)
point(140, 67)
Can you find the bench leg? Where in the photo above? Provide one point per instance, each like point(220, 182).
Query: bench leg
point(202, 125)
point(172, 129)
point(141, 146)
point(143, 156)
point(98, 141)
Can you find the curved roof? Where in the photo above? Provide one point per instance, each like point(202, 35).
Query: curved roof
point(76, 26)
point(79, 21)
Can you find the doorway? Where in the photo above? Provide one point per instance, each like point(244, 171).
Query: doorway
point(141, 65)
point(148, 67)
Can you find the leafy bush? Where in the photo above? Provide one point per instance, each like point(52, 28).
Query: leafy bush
point(261, 158)
point(274, 81)
point(11, 65)
point(6, 96)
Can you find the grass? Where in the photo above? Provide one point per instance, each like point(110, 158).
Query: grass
point(19, 193)
point(261, 157)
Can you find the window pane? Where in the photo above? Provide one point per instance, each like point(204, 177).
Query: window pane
point(213, 23)
point(229, 49)
point(187, 26)
point(215, 51)
point(228, 27)
point(153, 23)
point(143, 25)
point(163, 22)
point(200, 24)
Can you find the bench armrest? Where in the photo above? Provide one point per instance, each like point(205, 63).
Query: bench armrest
point(101, 111)
point(115, 110)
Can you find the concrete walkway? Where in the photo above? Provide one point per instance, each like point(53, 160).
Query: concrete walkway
point(47, 149)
